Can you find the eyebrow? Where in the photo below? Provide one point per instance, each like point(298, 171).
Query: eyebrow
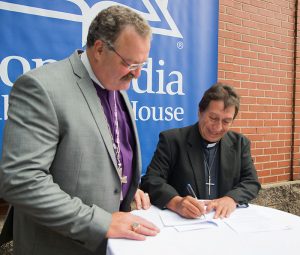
point(217, 115)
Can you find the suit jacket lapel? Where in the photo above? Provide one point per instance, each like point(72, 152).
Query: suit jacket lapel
point(196, 159)
point(227, 159)
point(87, 88)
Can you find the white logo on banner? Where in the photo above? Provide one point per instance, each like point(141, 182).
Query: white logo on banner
point(88, 13)
point(168, 84)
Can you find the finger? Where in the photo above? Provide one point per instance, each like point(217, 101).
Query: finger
point(191, 209)
point(143, 230)
point(230, 210)
point(185, 212)
point(227, 215)
point(146, 223)
point(201, 207)
point(197, 208)
point(210, 206)
point(146, 201)
point(223, 212)
point(135, 236)
point(138, 201)
point(219, 210)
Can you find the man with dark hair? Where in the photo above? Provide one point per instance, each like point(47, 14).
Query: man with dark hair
point(204, 161)
point(71, 156)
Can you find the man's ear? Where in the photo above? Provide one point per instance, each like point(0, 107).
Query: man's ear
point(98, 46)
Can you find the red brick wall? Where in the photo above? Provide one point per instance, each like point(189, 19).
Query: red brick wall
point(296, 147)
point(256, 55)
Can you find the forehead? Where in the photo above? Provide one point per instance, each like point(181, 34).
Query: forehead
point(129, 36)
point(132, 45)
point(217, 107)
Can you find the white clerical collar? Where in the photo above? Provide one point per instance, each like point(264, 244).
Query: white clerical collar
point(210, 145)
point(87, 65)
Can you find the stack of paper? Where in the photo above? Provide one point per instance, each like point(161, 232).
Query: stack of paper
point(171, 219)
point(250, 220)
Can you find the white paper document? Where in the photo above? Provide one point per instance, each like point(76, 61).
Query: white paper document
point(250, 220)
point(202, 225)
point(170, 218)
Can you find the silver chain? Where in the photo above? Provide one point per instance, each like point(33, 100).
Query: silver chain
point(209, 183)
point(116, 145)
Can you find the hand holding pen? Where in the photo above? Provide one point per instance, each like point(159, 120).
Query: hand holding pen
point(188, 207)
point(193, 194)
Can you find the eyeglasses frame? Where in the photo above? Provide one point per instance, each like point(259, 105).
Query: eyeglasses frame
point(131, 67)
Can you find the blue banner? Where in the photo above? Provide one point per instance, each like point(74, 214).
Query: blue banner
point(182, 63)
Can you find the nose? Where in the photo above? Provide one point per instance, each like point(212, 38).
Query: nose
point(218, 126)
point(137, 72)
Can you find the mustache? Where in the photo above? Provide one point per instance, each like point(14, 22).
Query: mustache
point(128, 77)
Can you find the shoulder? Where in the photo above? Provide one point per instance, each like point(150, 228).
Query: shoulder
point(236, 138)
point(52, 69)
point(49, 77)
point(178, 137)
point(177, 132)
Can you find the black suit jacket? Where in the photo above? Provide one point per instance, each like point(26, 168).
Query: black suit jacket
point(178, 160)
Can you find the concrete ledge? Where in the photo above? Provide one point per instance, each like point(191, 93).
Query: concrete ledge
point(284, 196)
point(7, 249)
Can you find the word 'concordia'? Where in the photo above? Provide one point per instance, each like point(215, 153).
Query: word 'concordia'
point(154, 83)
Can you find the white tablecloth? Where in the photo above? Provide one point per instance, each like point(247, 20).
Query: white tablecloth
point(219, 240)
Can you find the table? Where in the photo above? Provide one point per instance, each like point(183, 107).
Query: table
point(218, 240)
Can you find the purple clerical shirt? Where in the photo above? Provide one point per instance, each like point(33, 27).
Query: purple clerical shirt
point(127, 143)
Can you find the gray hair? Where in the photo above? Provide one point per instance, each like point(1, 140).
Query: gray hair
point(110, 22)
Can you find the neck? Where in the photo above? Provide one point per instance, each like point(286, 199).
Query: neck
point(208, 144)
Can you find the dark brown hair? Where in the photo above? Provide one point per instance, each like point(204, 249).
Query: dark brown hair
point(220, 92)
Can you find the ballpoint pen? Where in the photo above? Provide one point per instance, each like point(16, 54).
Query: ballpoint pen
point(192, 192)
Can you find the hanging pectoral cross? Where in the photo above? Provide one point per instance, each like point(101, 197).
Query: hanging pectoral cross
point(209, 183)
point(124, 179)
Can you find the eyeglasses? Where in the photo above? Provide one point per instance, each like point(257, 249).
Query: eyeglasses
point(131, 67)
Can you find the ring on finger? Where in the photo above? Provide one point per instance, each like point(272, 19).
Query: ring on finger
point(135, 226)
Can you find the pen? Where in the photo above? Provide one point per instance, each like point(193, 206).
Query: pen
point(192, 192)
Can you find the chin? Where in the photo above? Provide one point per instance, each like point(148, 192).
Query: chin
point(125, 86)
point(214, 139)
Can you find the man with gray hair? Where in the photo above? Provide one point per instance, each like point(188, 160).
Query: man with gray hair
point(71, 159)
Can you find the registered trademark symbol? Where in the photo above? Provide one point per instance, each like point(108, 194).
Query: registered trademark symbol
point(180, 45)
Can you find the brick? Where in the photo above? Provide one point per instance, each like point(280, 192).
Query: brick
point(259, 48)
point(264, 158)
point(258, 33)
point(249, 8)
point(248, 69)
point(272, 7)
point(249, 54)
point(285, 177)
point(269, 179)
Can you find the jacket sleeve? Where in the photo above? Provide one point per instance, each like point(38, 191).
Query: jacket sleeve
point(248, 186)
point(155, 181)
point(31, 138)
